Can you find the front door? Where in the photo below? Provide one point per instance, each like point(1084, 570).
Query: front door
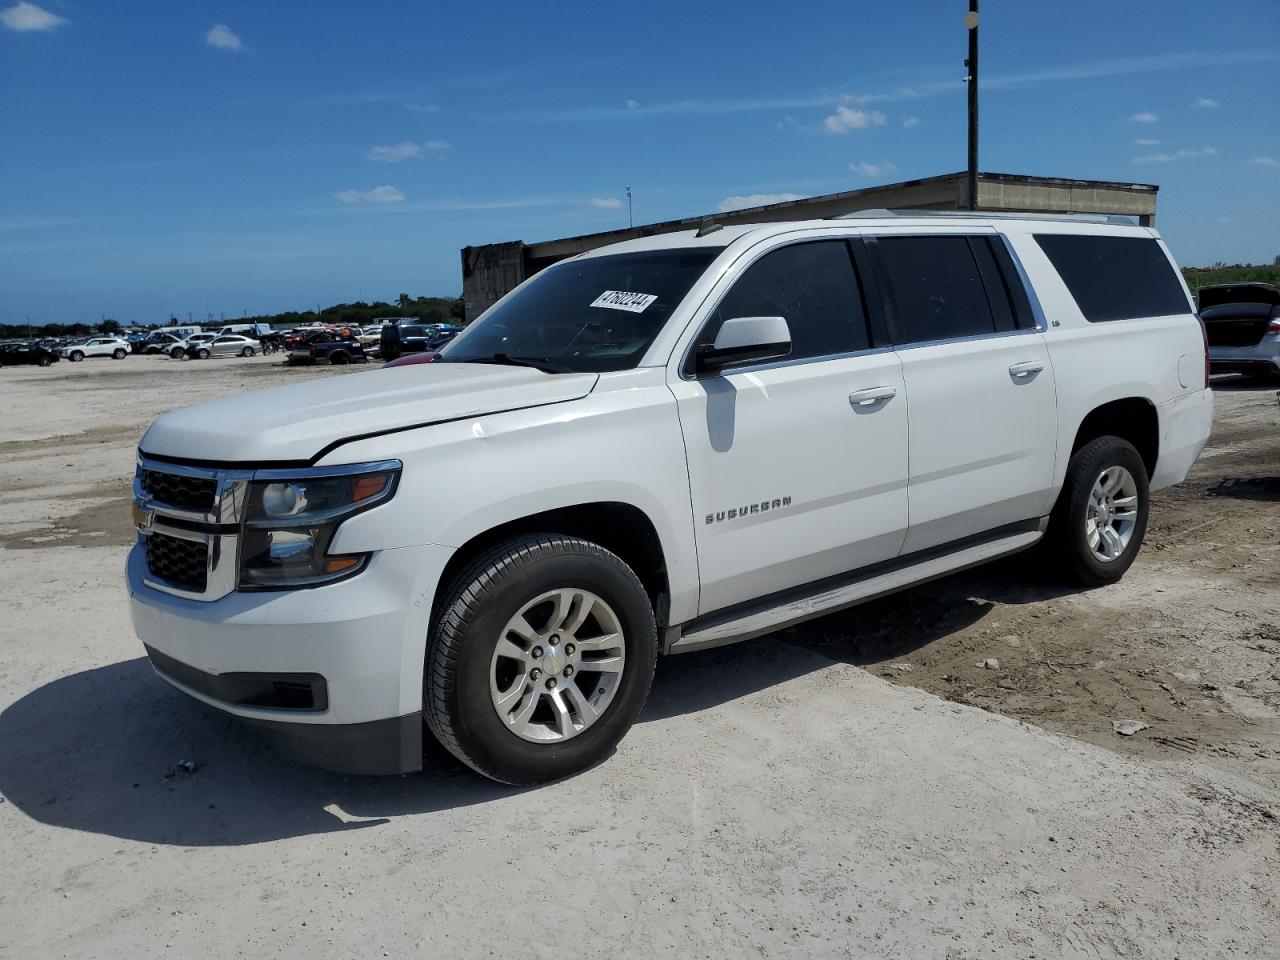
point(798, 468)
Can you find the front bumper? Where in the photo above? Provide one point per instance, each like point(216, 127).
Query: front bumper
point(334, 672)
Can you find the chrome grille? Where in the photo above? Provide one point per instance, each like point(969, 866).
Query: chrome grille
point(189, 493)
point(183, 563)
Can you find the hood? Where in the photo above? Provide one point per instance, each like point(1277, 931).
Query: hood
point(295, 423)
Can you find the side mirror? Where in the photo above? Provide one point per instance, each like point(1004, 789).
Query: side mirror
point(745, 340)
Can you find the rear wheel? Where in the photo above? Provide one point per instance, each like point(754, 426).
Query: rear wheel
point(338, 358)
point(1100, 519)
point(540, 660)
point(76, 356)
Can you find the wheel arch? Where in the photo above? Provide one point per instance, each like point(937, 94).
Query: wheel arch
point(1132, 418)
point(621, 528)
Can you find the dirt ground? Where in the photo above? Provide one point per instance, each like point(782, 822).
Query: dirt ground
point(867, 785)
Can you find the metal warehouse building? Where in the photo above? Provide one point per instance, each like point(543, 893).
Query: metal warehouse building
point(491, 270)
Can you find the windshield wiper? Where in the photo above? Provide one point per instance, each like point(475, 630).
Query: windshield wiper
point(507, 360)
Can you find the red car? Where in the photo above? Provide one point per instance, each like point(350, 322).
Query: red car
point(409, 359)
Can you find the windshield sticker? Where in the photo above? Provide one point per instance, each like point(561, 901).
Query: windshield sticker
point(621, 300)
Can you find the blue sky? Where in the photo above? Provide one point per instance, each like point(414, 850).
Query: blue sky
point(223, 157)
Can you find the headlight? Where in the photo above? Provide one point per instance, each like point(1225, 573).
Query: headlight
point(290, 522)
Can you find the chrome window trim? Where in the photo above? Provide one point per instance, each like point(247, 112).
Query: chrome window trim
point(229, 510)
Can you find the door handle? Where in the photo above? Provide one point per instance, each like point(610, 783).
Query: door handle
point(1026, 368)
point(870, 395)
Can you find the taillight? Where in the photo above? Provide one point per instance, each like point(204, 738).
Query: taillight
point(1273, 327)
point(1204, 336)
point(311, 351)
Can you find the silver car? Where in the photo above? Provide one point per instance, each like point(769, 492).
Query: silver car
point(1242, 326)
point(230, 345)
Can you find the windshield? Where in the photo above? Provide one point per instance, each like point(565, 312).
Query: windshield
point(588, 315)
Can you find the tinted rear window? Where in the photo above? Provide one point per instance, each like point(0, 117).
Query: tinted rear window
point(1115, 278)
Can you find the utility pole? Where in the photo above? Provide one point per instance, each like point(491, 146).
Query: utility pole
point(630, 220)
point(971, 24)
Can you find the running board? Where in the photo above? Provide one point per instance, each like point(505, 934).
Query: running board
point(795, 609)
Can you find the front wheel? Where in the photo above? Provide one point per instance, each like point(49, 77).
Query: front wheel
point(76, 356)
point(202, 353)
point(247, 352)
point(118, 354)
point(1101, 516)
point(540, 660)
point(44, 361)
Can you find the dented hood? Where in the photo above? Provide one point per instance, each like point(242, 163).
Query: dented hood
point(296, 423)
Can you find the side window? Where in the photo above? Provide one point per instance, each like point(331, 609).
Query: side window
point(813, 286)
point(935, 287)
point(1115, 278)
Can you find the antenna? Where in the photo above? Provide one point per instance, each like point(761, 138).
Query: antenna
point(630, 221)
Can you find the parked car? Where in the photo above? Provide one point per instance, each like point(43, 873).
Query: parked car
point(659, 446)
point(180, 350)
point(231, 345)
point(13, 354)
point(156, 343)
point(398, 338)
point(328, 348)
point(1242, 324)
point(112, 347)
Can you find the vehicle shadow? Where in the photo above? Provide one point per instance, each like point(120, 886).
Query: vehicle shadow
point(103, 750)
point(1260, 489)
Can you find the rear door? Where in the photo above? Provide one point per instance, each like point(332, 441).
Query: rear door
point(797, 467)
point(983, 410)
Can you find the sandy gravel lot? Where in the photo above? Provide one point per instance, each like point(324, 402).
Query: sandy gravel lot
point(856, 787)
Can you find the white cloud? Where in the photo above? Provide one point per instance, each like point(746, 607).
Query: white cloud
point(1207, 103)
point(1265, 162)
point(25, 17)
point(223, 37)
point(910, 122)
point(633, 104)
point(1182, 154)
point(606, 203)
point(729, 204)
point(422, 107)
point(383, 194)
point(1147, 142)
point(1224, 219)
point(1146, 116)
point(845, 119)
point(871, 169)
point(406, 151)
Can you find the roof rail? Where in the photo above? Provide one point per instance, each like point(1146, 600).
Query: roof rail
point(985, 214)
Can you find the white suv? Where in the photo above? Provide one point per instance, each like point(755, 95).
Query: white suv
point(112, 347)
point(659, 446)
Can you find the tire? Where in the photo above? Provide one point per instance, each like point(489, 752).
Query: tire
point(1068, 539)
point(177, 353)
point(457, 701)
point(118, 354)
point(203, 353)
point(45, 361)
point(247, 352)
point(75, 356)
point(338, 358)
